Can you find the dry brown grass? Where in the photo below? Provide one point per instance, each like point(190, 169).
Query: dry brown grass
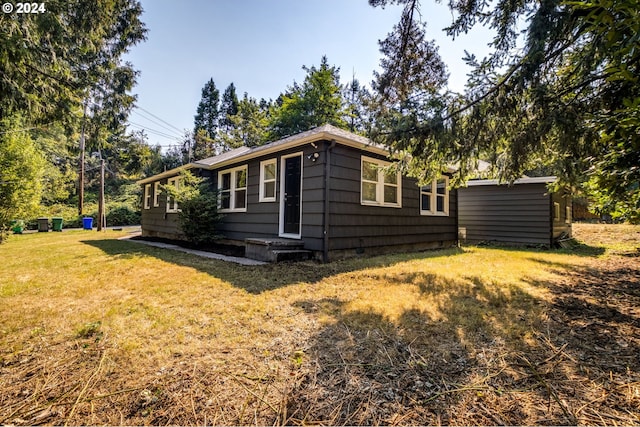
point(98, 331)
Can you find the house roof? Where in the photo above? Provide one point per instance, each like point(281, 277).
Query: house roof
point(326, 132)
point(526, 180)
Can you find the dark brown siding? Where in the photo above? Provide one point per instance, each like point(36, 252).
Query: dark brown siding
point(156, 221)
point(521, 214)
point(261, 219)
point(357, 226)
point(353, 227)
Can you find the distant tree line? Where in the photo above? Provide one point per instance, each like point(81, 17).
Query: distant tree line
point(63, 77)
point(225, 122)
point(561, 97)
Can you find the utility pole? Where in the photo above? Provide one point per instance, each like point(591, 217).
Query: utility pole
point(102, 219)
point(81, 177)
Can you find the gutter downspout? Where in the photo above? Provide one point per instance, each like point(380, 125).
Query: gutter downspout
point(327, 192)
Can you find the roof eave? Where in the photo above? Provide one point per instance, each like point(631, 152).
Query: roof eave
point(166, 174)
point(296, 142)
point(527, 180)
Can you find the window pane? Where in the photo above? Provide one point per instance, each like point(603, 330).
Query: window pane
point(241, 178)
point(369, 171)
point(426, 202)
point(270, 189)
point(269, 171)
point(390, 194)
point(442, 186)
point(240, 201)
point(391, 177)
point(369, 191)
point(225, 200)
point(440, 203)
point(226, 181)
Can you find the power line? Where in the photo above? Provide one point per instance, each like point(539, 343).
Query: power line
point(155, 122)
point(154, 131)
point(153, 115)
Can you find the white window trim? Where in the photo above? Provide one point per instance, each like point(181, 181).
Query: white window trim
point(172, 205)
point(433, 194)
point(567, 215)
point(156, 194)
point(262, 197)
point(556, 211)
point(380, 184)
point(232, 190)
point(147, 196)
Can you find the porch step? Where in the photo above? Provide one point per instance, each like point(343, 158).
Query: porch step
point(291, 255)
point(275, 249)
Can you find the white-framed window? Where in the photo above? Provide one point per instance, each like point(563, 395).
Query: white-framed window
point(567, 215)
point(232, 186)
point(434, 197)
point(556, 211)
point(379, 186)
point(156, 194)
point(147, 196)
point(172, 204)
point(268, 170)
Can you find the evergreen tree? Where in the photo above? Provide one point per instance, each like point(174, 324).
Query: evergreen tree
point(249, 124)
point(317, 101)
point(110, 104)
point(60, 173)
point(565, 95)
point(228, 108)
point(357, 112)
point(54, 62)
point(51, 60)
point(206, 122)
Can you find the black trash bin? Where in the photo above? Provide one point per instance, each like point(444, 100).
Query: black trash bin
point(43, 224)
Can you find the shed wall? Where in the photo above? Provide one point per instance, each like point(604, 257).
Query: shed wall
point(521, 214)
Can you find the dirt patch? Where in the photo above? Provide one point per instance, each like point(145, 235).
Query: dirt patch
point(580, 366)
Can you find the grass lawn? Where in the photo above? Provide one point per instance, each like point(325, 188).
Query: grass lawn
point(96, 330)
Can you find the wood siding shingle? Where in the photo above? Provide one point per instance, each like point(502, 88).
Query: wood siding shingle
point(156, 221)
point(261, 220)
point(352, 227)
point(357, 226)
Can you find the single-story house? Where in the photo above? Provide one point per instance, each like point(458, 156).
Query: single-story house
point(525, 213)
point(325, 189)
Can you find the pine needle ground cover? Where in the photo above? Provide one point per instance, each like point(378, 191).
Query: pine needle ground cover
point(96, 330)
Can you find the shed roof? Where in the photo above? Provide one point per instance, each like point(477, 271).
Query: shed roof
point(526, 180)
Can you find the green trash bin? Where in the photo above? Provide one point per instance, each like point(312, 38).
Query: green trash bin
point(17, 226)
point(43, 225)
point(56, 224)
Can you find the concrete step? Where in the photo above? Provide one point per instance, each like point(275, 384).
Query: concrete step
point(275, 249)
point(290, 255)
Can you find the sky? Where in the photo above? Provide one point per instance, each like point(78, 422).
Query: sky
point(261, 46)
